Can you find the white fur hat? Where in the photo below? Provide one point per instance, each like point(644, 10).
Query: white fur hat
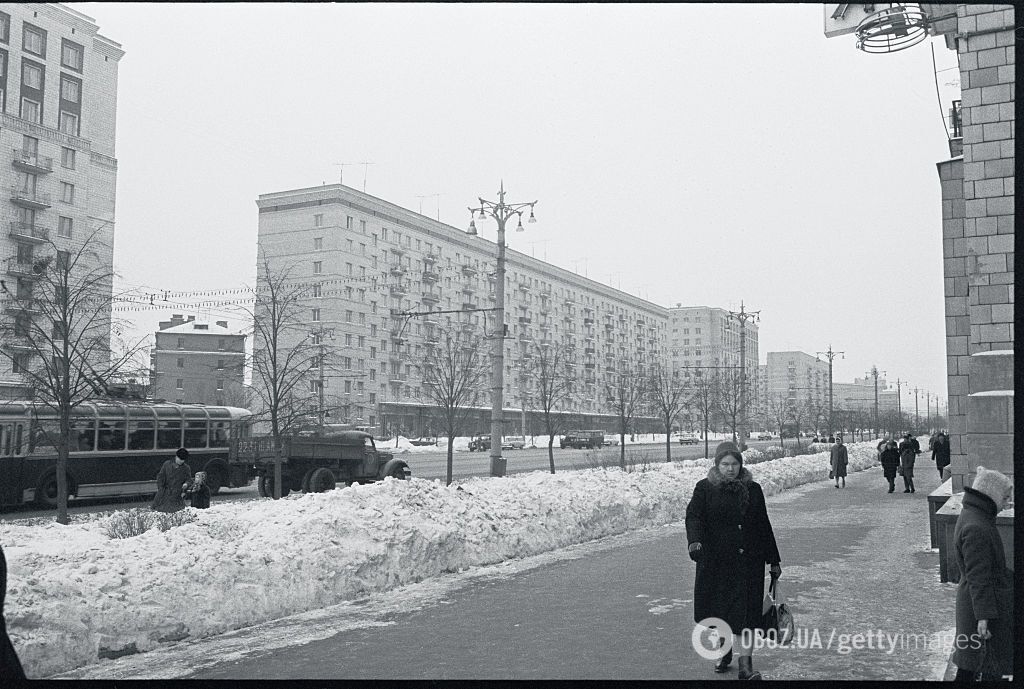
point(993, 484)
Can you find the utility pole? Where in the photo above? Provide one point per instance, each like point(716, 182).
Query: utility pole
point(831, 355)
point(875, 372)
point(917, 420)
point(501, 212)
point(742, 316)
point(899, 408)
point(928, 411)
point(318, 335)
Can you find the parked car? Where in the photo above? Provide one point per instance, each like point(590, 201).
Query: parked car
point(610, 439)
point(764, 436)
point(481, 443)
point(687, 438)
point(424, 441)
point(580, 439)
point(513, 442)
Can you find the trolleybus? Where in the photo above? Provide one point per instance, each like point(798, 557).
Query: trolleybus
point(116, 448)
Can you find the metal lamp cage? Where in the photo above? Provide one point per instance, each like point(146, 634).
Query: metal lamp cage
point(892, 29)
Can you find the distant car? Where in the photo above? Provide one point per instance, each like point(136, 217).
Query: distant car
point(610, 439)
point(424, 441)
point(764, 436)
point(687, 438)
point(513, 442)
point(481, 443)
point(580, 439)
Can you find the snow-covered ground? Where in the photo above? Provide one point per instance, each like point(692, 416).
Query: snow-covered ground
point(403, 445)
point(74, 595)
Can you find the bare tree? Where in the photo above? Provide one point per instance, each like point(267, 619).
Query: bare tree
point(777, 411)
point(799, 413)
point(60, 337)
point(667, 398)
point(454, 374)
point(555, 389)
point(729, 398)
point(625, 396)
point(703, 398)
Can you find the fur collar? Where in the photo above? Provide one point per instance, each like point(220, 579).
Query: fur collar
point(715, 477)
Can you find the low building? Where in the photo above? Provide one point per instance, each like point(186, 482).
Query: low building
point(197, 362)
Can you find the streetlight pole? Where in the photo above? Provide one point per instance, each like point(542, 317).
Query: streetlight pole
point(501, 212)
point(874, 372)
point(743, 316)
point(831, 355)
point(928, 411)
point(319, 336)
point(917, 420)
point(899, 407)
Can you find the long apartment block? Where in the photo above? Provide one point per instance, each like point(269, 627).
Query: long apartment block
point(367, 261)
point(58, 105)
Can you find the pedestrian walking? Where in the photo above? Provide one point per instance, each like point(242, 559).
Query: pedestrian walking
point(890, 458)
point(731, 539)
point(907, 456)
point(984, 596)
point(839, 459)
point(882, 443)
point(940, 452)
point(198, 493)
point(173, 476)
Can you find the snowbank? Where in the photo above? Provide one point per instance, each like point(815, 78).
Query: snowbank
point(75, 596)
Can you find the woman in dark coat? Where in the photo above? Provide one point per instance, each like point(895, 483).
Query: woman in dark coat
point(173, 476)
point(890, 459)
point(984, 597)
point(908, 453)
point(940, 452)
point(839, 458)
point(731, 539)
point(10, 666)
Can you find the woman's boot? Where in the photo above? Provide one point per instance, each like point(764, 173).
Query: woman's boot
point(723, 664)
point(747, 670)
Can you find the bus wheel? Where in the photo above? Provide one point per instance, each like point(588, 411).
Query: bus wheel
point(215, 480)
point(321, 480)
point(46, 492)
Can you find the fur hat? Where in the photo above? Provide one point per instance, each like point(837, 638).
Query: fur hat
point(993, 484)
point(728, 448)
point(181, 454)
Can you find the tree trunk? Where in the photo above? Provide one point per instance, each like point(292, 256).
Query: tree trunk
point(62, 463)
point(668, 441)
point(706, 451)
point(448, 472)
point(622, 449)
point(551, 451)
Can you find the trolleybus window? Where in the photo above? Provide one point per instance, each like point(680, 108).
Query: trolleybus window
point(219, 433)
point(83, 435)
point(168, 436)
point(195, 434)
point(140, 435)
point(111, 435)
point(44, 435)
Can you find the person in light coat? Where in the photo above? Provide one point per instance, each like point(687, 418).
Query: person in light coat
point(839, 459)
point(731, 539)
point(984, 596)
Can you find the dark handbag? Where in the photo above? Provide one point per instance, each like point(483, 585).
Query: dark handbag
point(831, 474)
point(776, 620)
point(899, 469)
point(988, 666)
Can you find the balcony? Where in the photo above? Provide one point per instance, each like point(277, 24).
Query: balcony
point(430, 297)
point(525, 287)
point(468, 306)
point(399, 290)
point(525, 320)
point(468, 269)
point(395, 357)
point(29, 199)
point(467, 327)
point(396, 269)
point(609, 327)
point(589, 351)
point(22, 305)
point(19, 343)
point(429, 259)
point(430, 320)
point(28, 271)
point(545, 292)
point(545, 325)
point(609, 369)
point(430, 276)
point(469, 289)
point(32, 162)
point(398, 378)
point(396, 335)
point(28, 232)
point(397, 251)
point(589, 365)
point(569, 301)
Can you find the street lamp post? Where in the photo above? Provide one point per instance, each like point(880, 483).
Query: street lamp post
point(501, 212)
point(875, 372)
point(831, 355)
point(899, 407)
point(743, 316)
point(917, 420)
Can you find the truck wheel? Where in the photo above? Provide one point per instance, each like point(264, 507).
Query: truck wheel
point(321, 480)
point(398, 472)
point(267, 485)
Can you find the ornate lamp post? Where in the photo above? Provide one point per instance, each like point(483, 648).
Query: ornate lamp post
point(501, 212)
point(875, 372)
point(831, 355)
point(742, 316)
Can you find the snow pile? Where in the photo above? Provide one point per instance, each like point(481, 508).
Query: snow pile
point(75, 596)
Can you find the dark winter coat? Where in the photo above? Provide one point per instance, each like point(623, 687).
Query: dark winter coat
point(986, 586)
point(10, 666)
point(199, 496)
point(169, 482)
point(737, 541)
point(940, 453)
point(890, 459)
point(839, 459)
point(907, 456)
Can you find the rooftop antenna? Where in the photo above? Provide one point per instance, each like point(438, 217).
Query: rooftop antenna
point(534, 244)
point(430, 196)
point(365, 166)
point(341, 172)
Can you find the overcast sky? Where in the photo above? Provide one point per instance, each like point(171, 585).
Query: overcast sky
point(694, 154)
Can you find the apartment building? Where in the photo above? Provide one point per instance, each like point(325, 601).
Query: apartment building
point(58, 106)
point(194, 362)
point(367, 261)
point(797, 376)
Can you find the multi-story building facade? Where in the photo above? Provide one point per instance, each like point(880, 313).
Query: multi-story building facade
point(198, 363)
point(801, 380)
point(368, 262)
point(58, 104)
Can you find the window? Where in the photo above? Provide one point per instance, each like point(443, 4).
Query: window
point(362, 249)
point(181, 343)
point(221, 344)
point(346, 363)
point(317, 291)
point(348, 222)
point(348, 339)
point(348, 245)
point(348, 316)
point(68, 123)
point(5, 27)
point(315, 385)
point(71, 54)
point(31, 75)
point(220, 364)
point(362, 341)
point(348, 268)
point(383, 234)
point(373, 352)
point(67, 157)
point(220, 384)
point(67, 192)
point(359, 387)
point(318, 267)
point(318, 220)
point(180, 384)
point(373, 400)
point(316, 315)
point(64, 227)
point(33, 40)
point(30, 110)
point(181, 362)
point(348, 386)
point(318, 243)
